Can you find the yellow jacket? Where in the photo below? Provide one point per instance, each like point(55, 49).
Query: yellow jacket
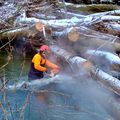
point(39, 63)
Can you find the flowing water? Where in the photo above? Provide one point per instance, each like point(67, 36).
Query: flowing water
point(74, 98)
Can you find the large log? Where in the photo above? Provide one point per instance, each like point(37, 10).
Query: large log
point(15, 32)
point(99, 43)
point(108, 80)
point(95, 34)
point(53, 23)
point(34, 85)
point(31, 30)
point(97, 40)
point(70, 34)
point(106, 60)
point(110, 17)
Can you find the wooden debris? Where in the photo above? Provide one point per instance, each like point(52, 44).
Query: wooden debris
point(111, 82)
point(70, 34)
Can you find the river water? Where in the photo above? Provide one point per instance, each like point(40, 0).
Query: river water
point(74, 98)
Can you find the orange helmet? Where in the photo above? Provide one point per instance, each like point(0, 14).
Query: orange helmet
point(44, 48)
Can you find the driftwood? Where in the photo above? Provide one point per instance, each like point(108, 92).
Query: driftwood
point(111, 82)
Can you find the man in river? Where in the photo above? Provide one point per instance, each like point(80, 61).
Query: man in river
point(40, 63)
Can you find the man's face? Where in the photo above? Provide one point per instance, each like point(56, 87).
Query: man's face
point(44, 53)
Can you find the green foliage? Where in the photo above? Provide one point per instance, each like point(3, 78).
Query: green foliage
point(101, 7)
point(90, 8)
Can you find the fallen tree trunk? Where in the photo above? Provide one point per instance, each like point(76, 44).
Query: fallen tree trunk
point(24, 31)
point(70, 34)
point(108, 80)
point(99, 43)
point(111, 58)
point(105, 60)
point(33, 85)
point(97, 40)
point(53, 23)
point(85, 31)
point(13, 33)
point(110, 17)
point(111, 82)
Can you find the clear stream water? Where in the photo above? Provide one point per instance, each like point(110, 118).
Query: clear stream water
point(75, 98)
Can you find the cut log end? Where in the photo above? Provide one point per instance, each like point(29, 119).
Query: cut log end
point(39, 26)
point(73, 35)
